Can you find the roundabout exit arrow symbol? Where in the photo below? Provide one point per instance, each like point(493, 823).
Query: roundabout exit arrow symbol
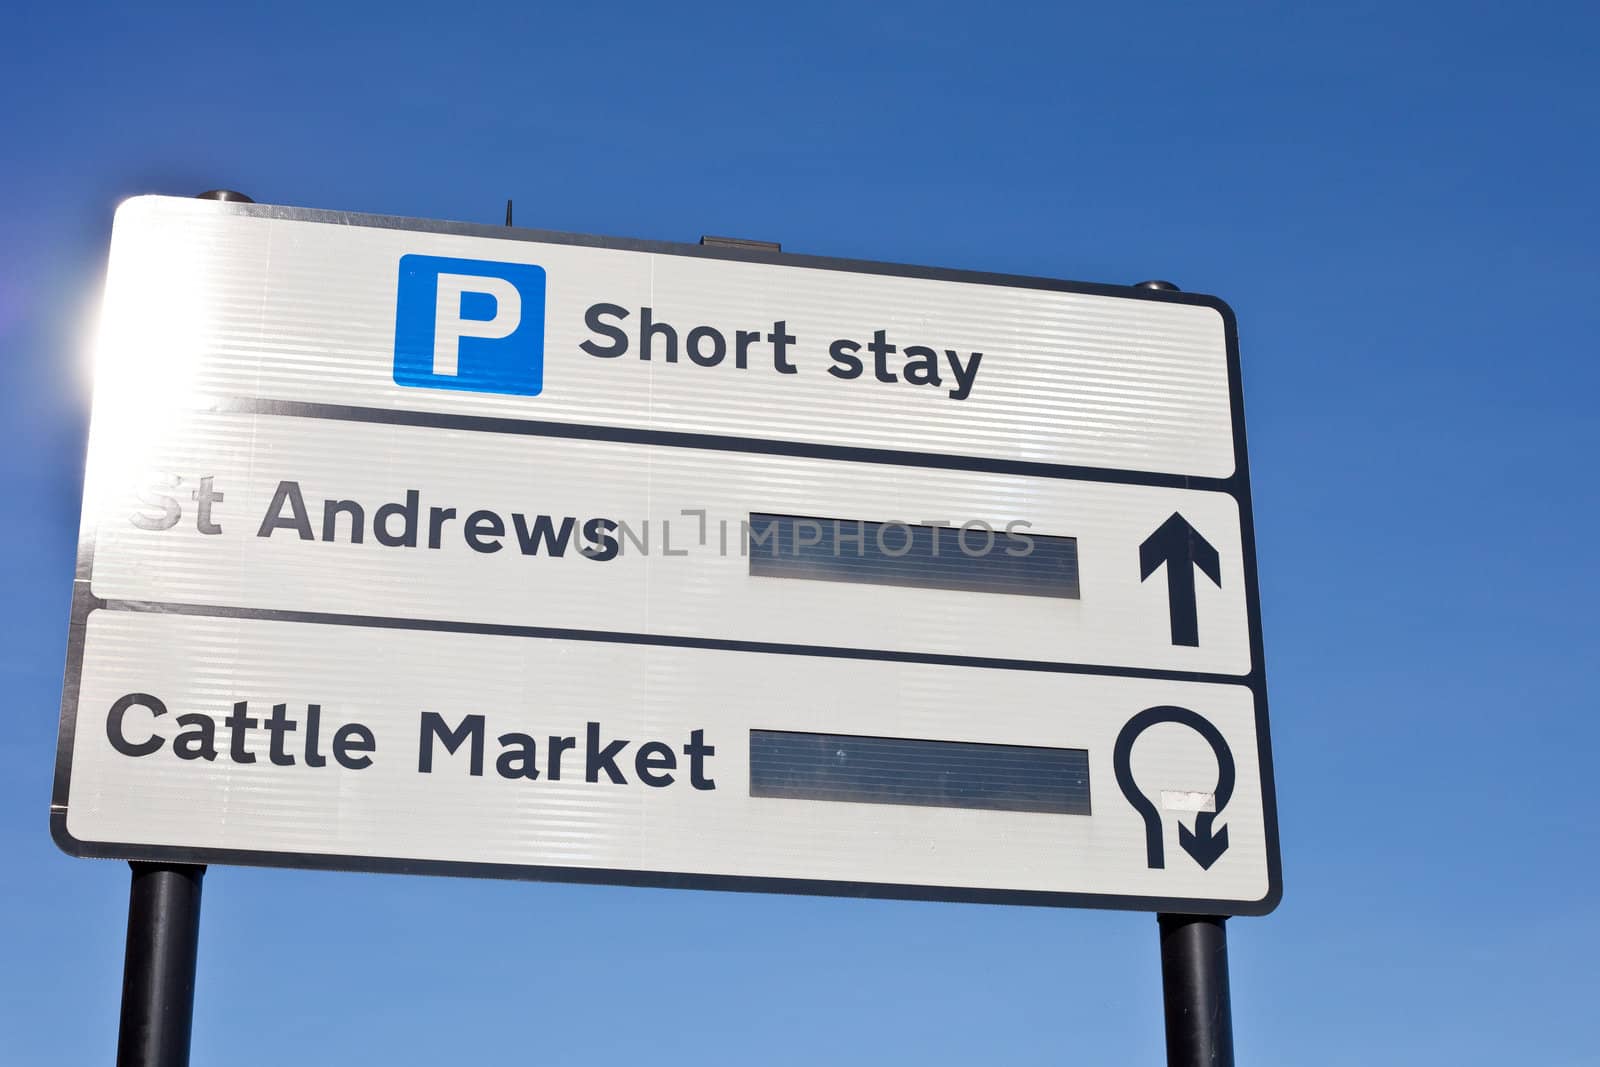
point(1203, 845)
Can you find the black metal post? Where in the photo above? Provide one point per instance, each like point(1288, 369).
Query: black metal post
point(163, 940)
point(158, 971)
point(1194, 966)
point(1194, 990)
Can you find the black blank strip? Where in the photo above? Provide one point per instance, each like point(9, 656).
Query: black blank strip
point(924, 557)
point(944, 774)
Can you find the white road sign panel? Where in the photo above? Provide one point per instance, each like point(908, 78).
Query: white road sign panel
point(460, 549)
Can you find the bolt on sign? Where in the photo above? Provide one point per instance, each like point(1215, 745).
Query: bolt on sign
point(421, 547)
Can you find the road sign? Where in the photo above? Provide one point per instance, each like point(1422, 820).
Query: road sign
point(437, 548)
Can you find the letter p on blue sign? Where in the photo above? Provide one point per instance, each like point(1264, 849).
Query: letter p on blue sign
point(471, 324)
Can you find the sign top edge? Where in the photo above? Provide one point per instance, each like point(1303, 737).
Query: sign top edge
point(694, 251)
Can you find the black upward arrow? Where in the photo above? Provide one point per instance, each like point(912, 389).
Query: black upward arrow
point(1182, 549)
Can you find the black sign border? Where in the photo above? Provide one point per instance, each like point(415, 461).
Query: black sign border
point(1237, 485)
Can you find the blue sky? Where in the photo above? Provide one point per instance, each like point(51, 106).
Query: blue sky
point(1397, 200)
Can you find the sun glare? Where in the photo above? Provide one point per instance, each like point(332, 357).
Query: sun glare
point(154, 324)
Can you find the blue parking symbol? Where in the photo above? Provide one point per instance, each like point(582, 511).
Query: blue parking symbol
point(470, 324)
